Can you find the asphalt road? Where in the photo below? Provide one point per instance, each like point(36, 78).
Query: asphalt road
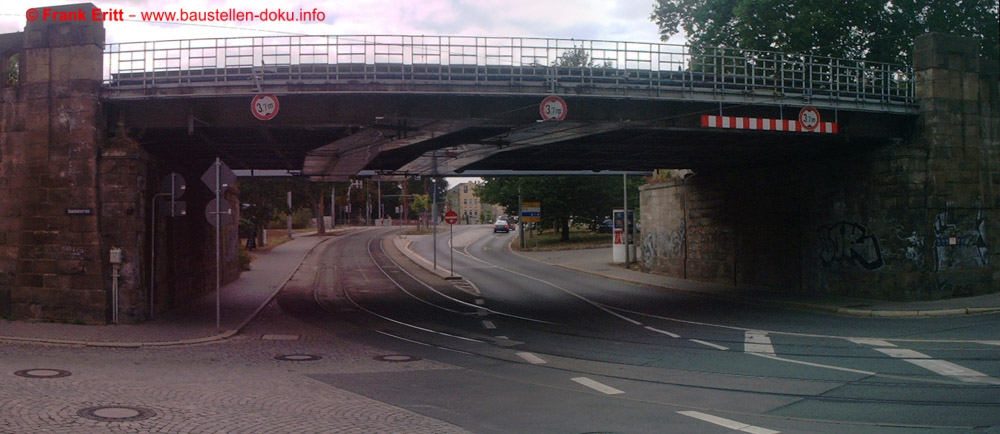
point(544, 349)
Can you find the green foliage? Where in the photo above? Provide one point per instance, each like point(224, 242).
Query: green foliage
point(11, 75)
point(578, 58)
point(581, 199)
point(875, 30)
point(420, 203)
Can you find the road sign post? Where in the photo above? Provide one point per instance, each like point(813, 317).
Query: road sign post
point(218, 178)
point(451, 217)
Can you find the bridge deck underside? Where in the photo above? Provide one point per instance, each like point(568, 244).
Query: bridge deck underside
point(338, 136)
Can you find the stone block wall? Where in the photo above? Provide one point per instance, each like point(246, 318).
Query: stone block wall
point(51, 260)
point(904, 219)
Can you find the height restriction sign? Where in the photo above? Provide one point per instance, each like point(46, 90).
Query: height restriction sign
point(553, 108)
point(809, 118)
point(264, 106)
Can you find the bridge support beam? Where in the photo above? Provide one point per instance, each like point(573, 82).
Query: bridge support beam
point(906, 219)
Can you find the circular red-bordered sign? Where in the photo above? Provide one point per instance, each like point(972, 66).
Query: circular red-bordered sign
point(451, 217)
point(553, 108)
point(264, 106)
point(809, 118)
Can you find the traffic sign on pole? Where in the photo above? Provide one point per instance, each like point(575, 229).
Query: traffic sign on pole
point(451, 217)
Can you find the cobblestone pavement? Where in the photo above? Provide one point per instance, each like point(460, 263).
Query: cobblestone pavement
point(231, 386)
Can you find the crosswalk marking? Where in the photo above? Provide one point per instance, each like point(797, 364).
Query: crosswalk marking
point(757, 342)
point(942, 367)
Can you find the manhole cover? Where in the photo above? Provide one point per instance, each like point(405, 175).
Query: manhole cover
point(396, 358)
point(298, 357)
point(42, 373)
point(116, 413)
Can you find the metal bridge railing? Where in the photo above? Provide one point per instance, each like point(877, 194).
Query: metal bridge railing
point(506, 64)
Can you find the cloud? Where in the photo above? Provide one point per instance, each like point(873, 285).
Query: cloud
point(579, 19)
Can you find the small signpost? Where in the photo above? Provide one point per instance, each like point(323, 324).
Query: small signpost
point(218, 178)
point(451, 217)
point(553, 108)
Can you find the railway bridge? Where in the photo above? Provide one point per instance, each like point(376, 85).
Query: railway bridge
point(805, 173)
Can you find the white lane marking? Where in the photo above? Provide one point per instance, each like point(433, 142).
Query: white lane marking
point(709, 344)
point(727, 423)
point(901, 353)
point(480, 302)
point(871, 342)
point(489, 324)
point(673, 335)
point(531, 358)
point(603, 388)
point(757, 342)
point(815, 365)
point(941, 367)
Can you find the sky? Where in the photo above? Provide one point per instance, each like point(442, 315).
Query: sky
point(618, 20)
point(612, 20)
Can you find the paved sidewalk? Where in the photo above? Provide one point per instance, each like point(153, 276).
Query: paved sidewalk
point(599, 262)
point(239, 302)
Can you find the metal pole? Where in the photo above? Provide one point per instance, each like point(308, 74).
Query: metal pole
point(289, 215)
point(218, 241)
point(333, 207)
point(451, 243)
point(520, 212)
point(625, 216)
point(434, 213)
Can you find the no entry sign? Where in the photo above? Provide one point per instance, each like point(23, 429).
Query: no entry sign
point(451, 217)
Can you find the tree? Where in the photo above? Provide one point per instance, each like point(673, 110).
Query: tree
point(578, 58)
point(874, 30)
point(580, 199)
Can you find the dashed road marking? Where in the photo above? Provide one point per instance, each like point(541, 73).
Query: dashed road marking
point(709, 344)
point(728, 423)
point(489, 324)
point(531, 358)
point(673, 335)
point(603, 388)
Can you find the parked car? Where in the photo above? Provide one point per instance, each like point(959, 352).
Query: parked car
point(606, 227)
point(501, 226)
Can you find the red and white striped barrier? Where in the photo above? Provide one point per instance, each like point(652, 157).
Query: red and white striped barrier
point(741, 123)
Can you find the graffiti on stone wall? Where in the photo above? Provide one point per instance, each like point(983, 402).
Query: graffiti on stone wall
point(914, 250)
point(846, 242)
point(661, 245)
point(957, 248)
